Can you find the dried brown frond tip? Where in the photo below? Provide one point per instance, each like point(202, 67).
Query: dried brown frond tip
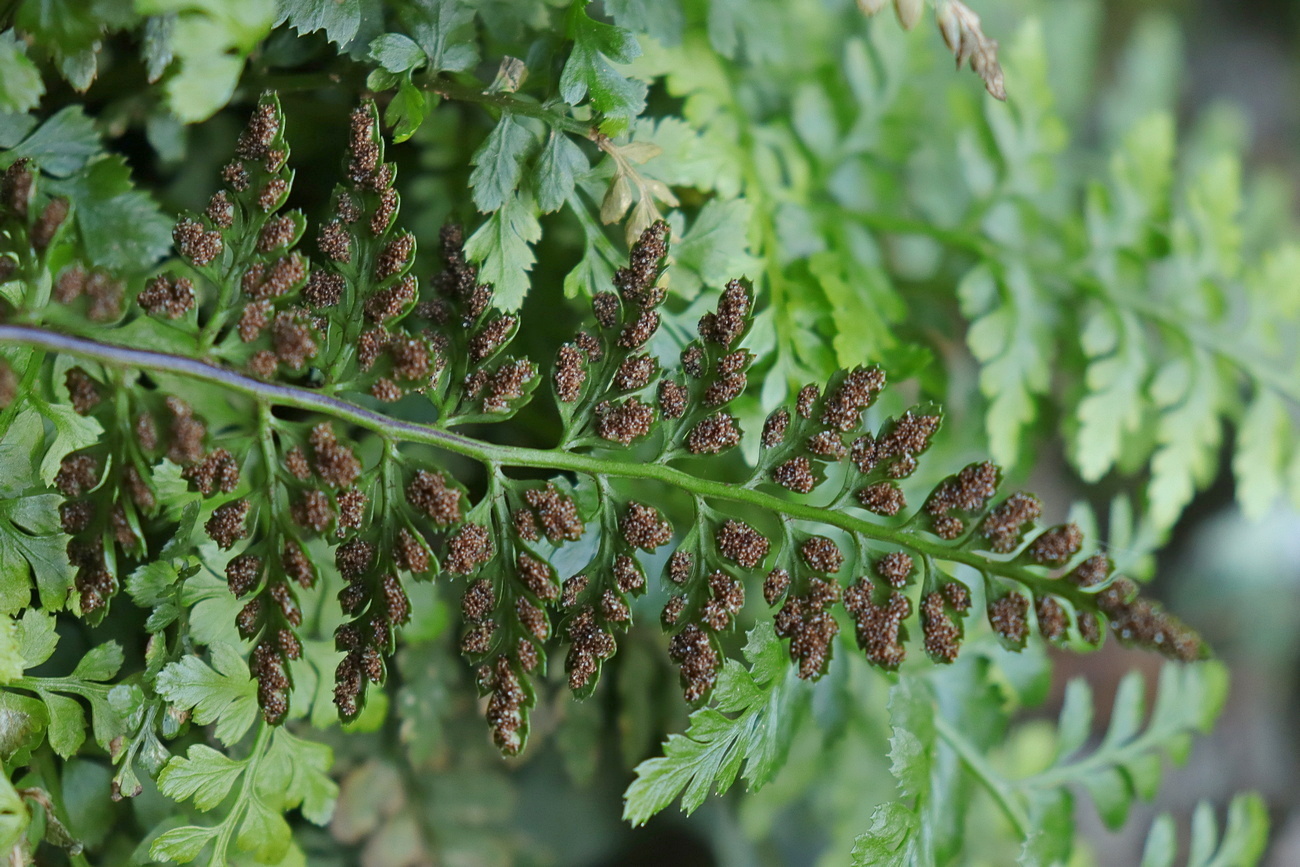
point(961, 30)
point(809, 624)
point(742, 544)
point(1057, 545)
point(694, 652)
point(643, 527)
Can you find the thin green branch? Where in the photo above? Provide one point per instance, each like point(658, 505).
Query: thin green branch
point(515, 456)
point(994, 782)
point(506, 102)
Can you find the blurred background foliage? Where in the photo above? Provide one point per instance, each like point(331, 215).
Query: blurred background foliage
point(1101, 276)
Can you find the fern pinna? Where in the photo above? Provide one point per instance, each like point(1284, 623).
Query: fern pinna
point(299, 414)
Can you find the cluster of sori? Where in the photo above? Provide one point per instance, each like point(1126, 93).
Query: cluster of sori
point(961, 31)
point(272, 492)
point(355, 321)
point(110, 494)
point(820, 440)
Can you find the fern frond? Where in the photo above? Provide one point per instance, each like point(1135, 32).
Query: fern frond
point(826, 498)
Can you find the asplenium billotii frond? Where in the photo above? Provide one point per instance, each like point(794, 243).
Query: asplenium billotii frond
point(241, 443)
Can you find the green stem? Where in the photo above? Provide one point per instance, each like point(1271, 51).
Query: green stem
point(515, 456)
point(506, 102)
point(231, 823)
point(996, 785)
